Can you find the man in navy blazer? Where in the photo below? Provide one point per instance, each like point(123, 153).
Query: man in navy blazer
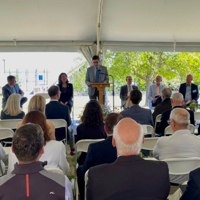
point(130, 176)
point(139, 114)
point(189, 90)
point(125, 92)
point(192, 191)
point(96, 74)
point(55, 110)
point(99, 152)
point(177, 102)
point(12, 88)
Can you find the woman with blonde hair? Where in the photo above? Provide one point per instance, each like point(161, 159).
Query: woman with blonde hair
point(38, 103)
point(54, 151)
point(12, 109)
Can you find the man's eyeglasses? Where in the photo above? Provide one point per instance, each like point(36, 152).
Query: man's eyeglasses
point(169, 121)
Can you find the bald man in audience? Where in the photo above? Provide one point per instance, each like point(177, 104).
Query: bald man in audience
point(177, 102)
point(165, 104)
point(130, 176)
point(182, 144)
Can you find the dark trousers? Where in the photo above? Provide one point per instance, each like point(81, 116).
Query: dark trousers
point(23, 100)
point(96, 96)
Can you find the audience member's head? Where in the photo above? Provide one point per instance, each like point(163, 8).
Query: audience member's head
point(189, 79)
point(92, 114)
point(135, 96)
point(128, 137)
point(129, 80)
point(28, 143)
point(11, 80)
point(12, 107)
point(158, 79)
point(110, 121)
point(62, 78)
point(95, 60)
point(166, 93)
point(54, 92)
point(39, 118)
point(179, 119)
point(38, 103)
point(177, 99)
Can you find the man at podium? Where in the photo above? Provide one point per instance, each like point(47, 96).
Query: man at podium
point(96, 74)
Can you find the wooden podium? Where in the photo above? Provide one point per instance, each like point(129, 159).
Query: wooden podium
point(100, 87)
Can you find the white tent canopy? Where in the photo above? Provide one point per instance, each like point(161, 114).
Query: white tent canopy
point(92, 25)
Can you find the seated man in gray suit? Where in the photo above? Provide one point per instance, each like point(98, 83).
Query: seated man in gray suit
point(12, 88)
point(96, 74)
point(125, 92)
point(154, 92)
point(130, 176)
point(140, 115)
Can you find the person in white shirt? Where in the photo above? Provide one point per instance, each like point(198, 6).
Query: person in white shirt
point(154, 92)
point(182, 144)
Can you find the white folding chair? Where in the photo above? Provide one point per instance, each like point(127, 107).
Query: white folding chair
point(6, 133)
point(149, 143)
point(182, 166)
point(158, 119)
point(60, 123)
point(86, 180)
point(168, 130)
point(45, 95)
point(82, 146)
point(148, 130)
point(54, 169)
point(11, 123)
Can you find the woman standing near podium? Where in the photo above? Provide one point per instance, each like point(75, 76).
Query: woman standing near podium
point(66, 90)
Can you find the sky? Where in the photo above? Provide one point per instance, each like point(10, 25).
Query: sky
point(55, 63)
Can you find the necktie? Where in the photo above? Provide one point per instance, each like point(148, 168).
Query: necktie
point(129, 88)
point(97, 75)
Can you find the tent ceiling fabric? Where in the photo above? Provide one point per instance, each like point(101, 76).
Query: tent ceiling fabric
point(126, 25)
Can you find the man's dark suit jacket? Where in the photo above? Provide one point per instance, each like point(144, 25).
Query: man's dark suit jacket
point(192, 191)
point(55, 110)
point(162, 107)
point(194, 91)
point(124, 92)
point(165, 116)
point(7, 91)
point(98, 153)
point(128, 178)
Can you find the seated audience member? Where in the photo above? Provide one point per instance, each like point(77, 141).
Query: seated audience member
point(140, 115)
point(12, 109)
point(130, 176)
point(154, 92)
point(165, 104)
point(12, 88)
point(100, 152)
point(38, 103)
point(55, 152)
point(192, 191)
point(29, 180)
point(182, 144)
point(2, 155)
point(177, 102)
point(125, 91)
point(92, 126)
point(55, 110)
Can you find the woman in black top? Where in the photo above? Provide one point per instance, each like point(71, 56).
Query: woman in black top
point(66, 89)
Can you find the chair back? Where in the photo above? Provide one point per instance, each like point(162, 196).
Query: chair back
point(182, 166)
point(55, 170)
point(149, 143)
point(11, 123)
point(158, 119)
point(168, 129)
point(86, 180)
point(197, 116)
point(6, 133)
point(148, 130)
